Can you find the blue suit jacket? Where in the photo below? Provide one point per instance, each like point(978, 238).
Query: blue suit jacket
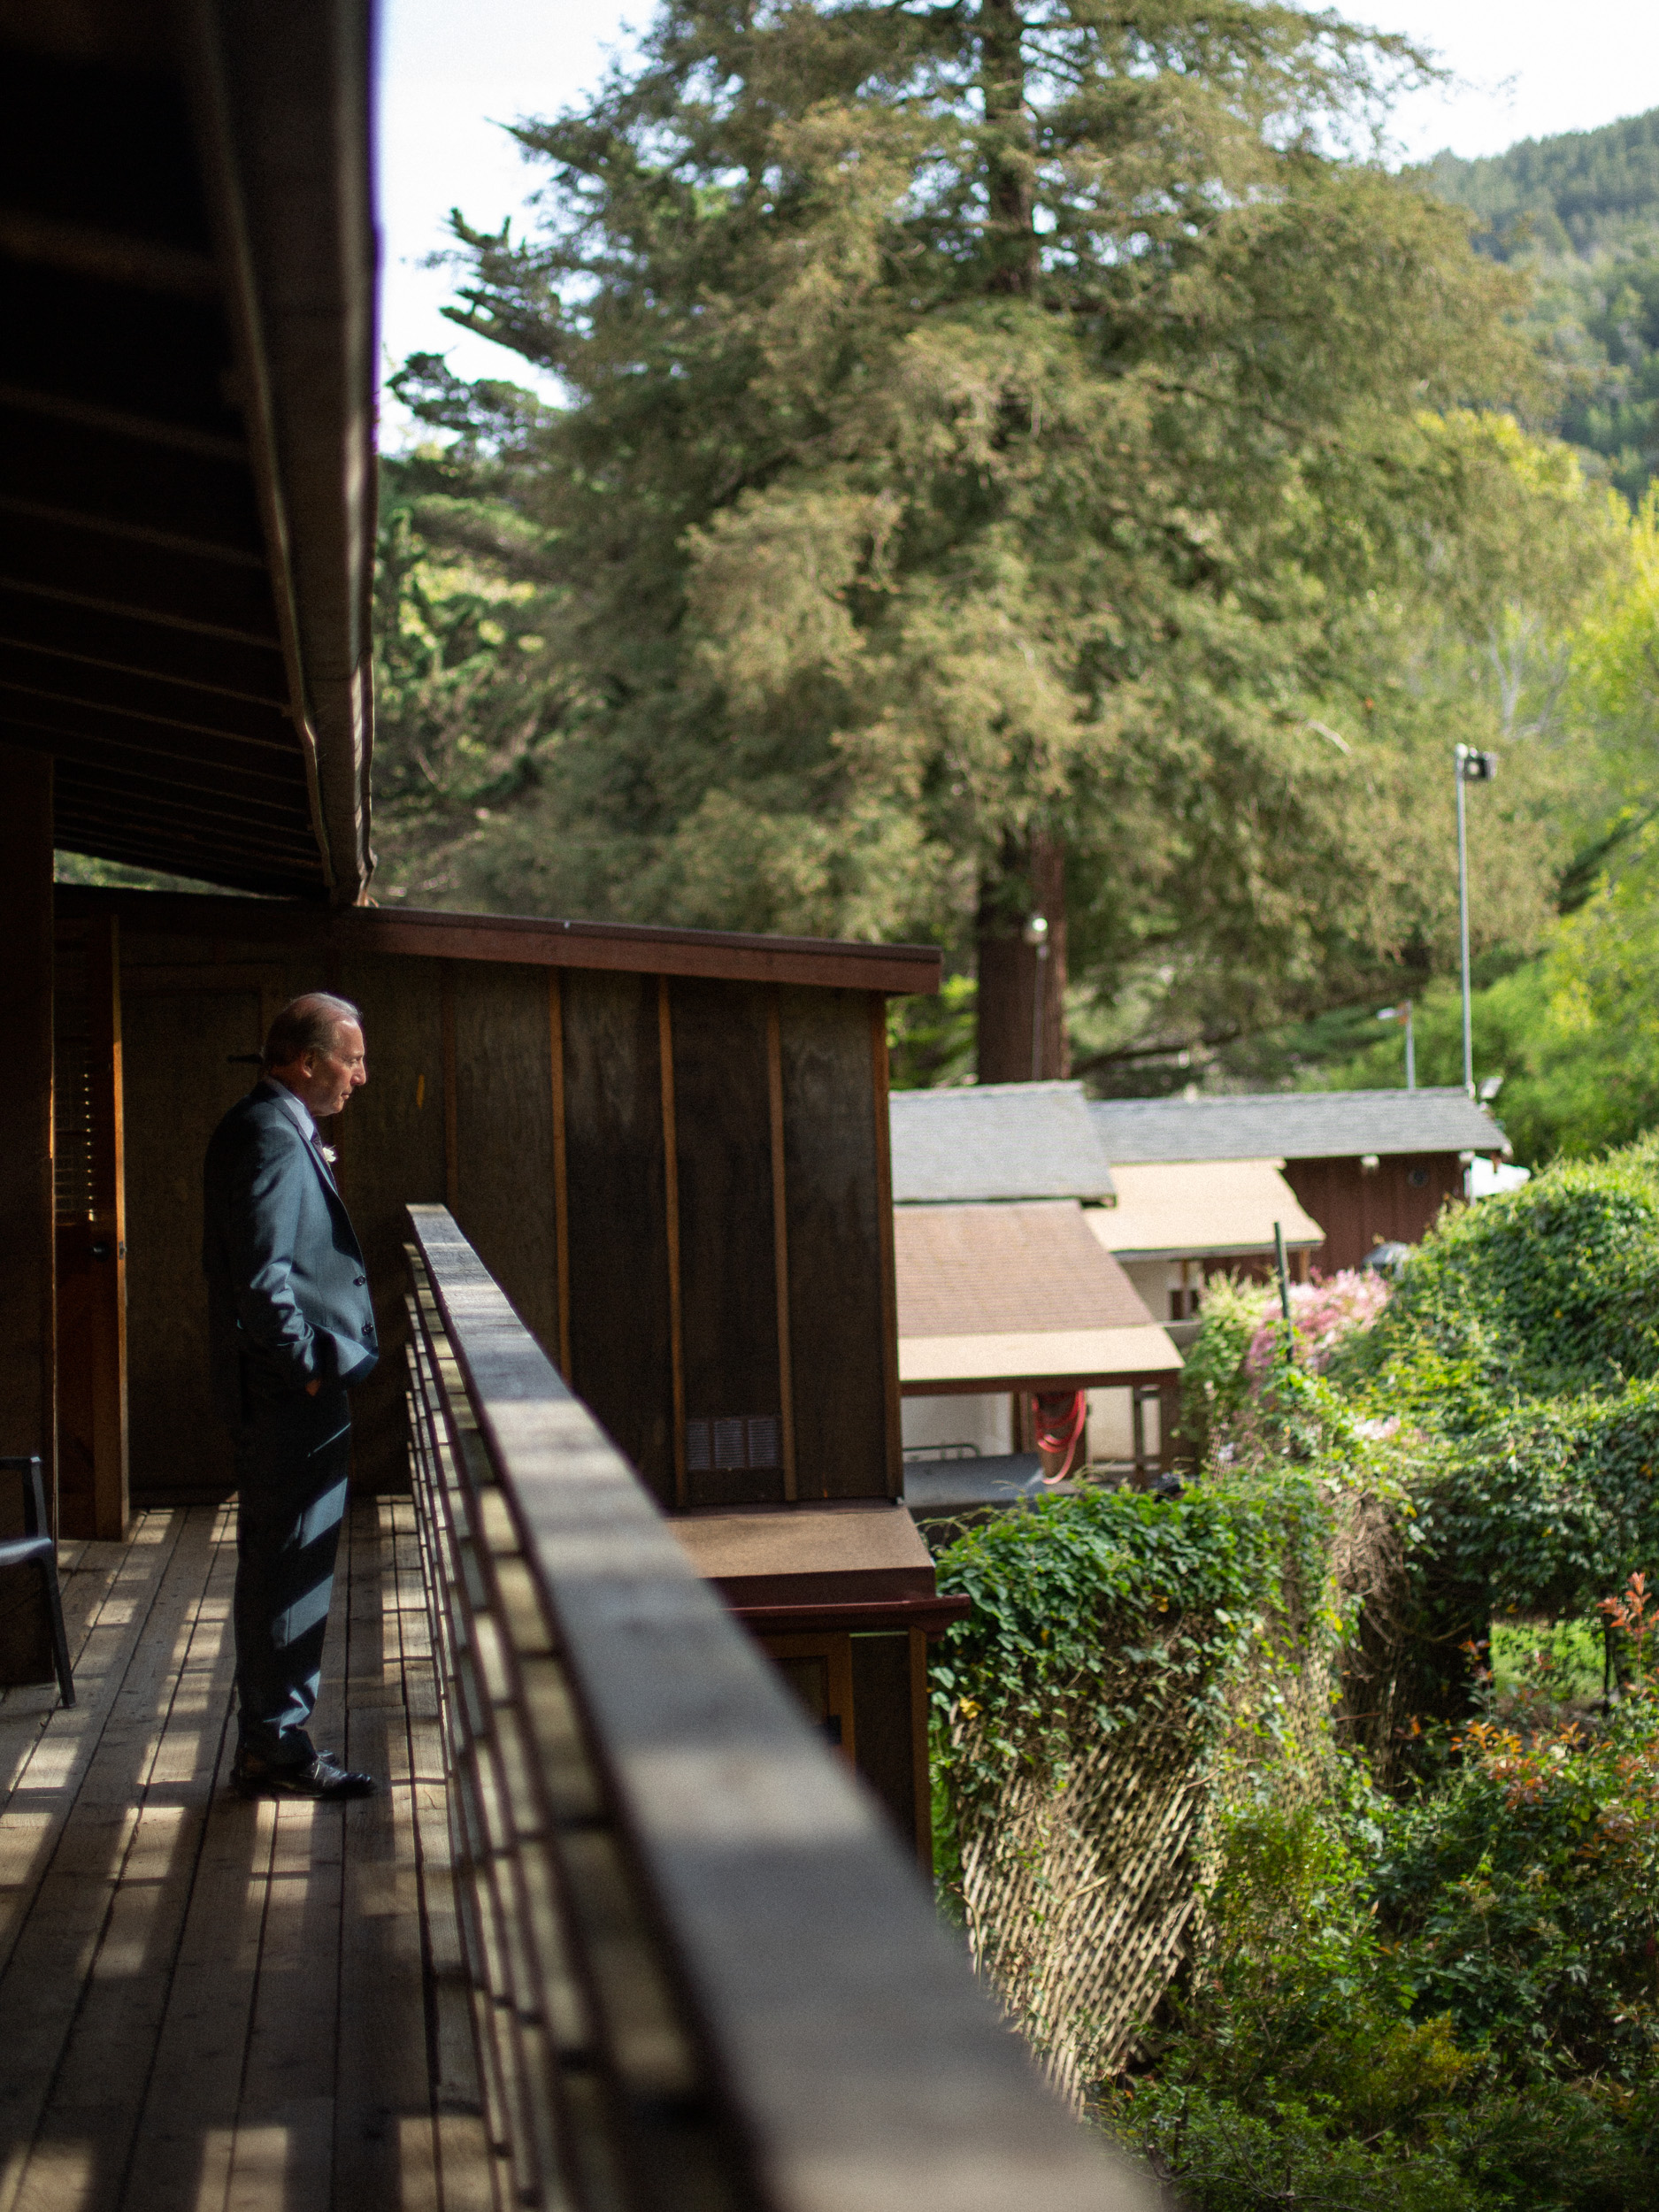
point(288, 1291)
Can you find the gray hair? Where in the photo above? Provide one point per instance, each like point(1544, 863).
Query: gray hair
point(308, 1024)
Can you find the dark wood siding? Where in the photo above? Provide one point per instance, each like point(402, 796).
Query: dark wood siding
point(621, 1338)
point(729, 1296)
point(1359, 1208)
point(390, 1145)
point(835, 1187)
point(28, 1294)
point(460, 1109)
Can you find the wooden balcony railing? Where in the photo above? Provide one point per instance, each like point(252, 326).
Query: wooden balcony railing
point(704, 1975)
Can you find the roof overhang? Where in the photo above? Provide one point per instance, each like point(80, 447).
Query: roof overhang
point(187, 471)
point(1045, 1359)
point(1014, 1296)
point(1202, 1209)
point(515, 939)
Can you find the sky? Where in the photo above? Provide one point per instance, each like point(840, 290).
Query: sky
point(451, 71)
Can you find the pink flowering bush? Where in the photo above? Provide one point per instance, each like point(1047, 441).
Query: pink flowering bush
point(1323, 1315)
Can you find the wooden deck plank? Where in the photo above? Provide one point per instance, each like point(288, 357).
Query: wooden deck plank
point(98, 2091)
point(385, 2149)
point(45, 1749)
point(283, 2152)
point(218, 2007)
point(57, 1947)
point(188, 2129)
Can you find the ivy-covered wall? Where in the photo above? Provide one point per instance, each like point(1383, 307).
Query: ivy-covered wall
point(1256, 1847)
point(1128, 1661)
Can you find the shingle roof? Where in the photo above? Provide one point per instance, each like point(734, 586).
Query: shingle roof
point(996, 1140)
point(985, 1270)
point(1295, 1125)
point(1008, 1297)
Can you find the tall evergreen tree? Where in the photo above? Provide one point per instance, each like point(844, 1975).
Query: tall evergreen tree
point(992, 429)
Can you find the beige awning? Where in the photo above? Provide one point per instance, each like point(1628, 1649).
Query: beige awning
point(1002, 1297)
point(1200, 1209)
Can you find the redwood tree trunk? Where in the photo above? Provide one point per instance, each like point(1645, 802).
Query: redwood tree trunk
point(1012, 1047)
point(1010, 169)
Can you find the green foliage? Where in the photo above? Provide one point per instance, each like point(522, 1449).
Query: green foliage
point(982, 428)
point(1575, 192)
point(1326, 2056)
point(117, 876)
point(1522, 1894)
point(1549, 1290)
point(1293, 2071)
point(1581, 213)
point(1215, 1387)
point(1574, 1034)
point(1569, 1654)
point(1101, 1609)
point(1550, 1507)
point(1522, 1350)
point(931, 1040)
point(467, 694)
point(1448, 1998)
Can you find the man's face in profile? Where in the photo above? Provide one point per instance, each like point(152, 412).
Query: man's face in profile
point(326, 1079)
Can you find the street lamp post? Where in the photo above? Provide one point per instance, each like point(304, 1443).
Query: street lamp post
point(1036, 935)
point(1403, 1013)
point(1468, 766)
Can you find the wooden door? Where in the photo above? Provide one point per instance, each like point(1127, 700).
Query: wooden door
point(191, 1036)
point(91, 1232)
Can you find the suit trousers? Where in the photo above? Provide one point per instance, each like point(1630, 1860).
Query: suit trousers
point(292, 1454)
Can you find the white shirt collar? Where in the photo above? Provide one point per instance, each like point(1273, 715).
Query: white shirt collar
point(296, 1106)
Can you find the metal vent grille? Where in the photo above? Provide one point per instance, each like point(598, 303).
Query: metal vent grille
point(80, 1108)
point(729, 1440)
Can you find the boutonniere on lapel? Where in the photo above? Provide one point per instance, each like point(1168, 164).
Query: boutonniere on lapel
point(327, 1151)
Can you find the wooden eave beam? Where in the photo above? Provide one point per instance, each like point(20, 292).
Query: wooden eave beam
point(101, 701)
point(284, 97)
point(137, 427)
point(203, 662)
point(264, 883)
point(107, 256)
point(155, 582)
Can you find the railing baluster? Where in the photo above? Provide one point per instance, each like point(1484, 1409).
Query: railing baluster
point(704, 1977)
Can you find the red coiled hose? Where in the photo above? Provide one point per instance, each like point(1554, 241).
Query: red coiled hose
point(1060, 1416)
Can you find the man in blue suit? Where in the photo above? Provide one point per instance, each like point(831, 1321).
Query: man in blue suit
point(292, 1328)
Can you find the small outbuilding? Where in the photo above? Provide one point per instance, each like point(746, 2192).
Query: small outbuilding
point(1372, 1167)
point(1006, 1294)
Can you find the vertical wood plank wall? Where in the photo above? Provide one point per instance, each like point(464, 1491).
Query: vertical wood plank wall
point(890, 1406)
point(837, 1228)
point(672, 1228)
point(727, 1240)
point(27, 1278)
point(621, 1335)
point(1358, 1208)
point(89, 1182)
point(780, 1240)
point(674, 1180)
point(392, 1146)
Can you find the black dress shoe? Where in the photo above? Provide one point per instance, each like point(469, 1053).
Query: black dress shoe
point(319, 1777)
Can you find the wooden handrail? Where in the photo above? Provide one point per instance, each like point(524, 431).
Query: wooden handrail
point(704, 1975)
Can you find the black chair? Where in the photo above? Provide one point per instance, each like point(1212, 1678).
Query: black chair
point(36, 1548)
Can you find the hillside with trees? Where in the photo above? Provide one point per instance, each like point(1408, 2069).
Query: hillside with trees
point(1580, 213)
